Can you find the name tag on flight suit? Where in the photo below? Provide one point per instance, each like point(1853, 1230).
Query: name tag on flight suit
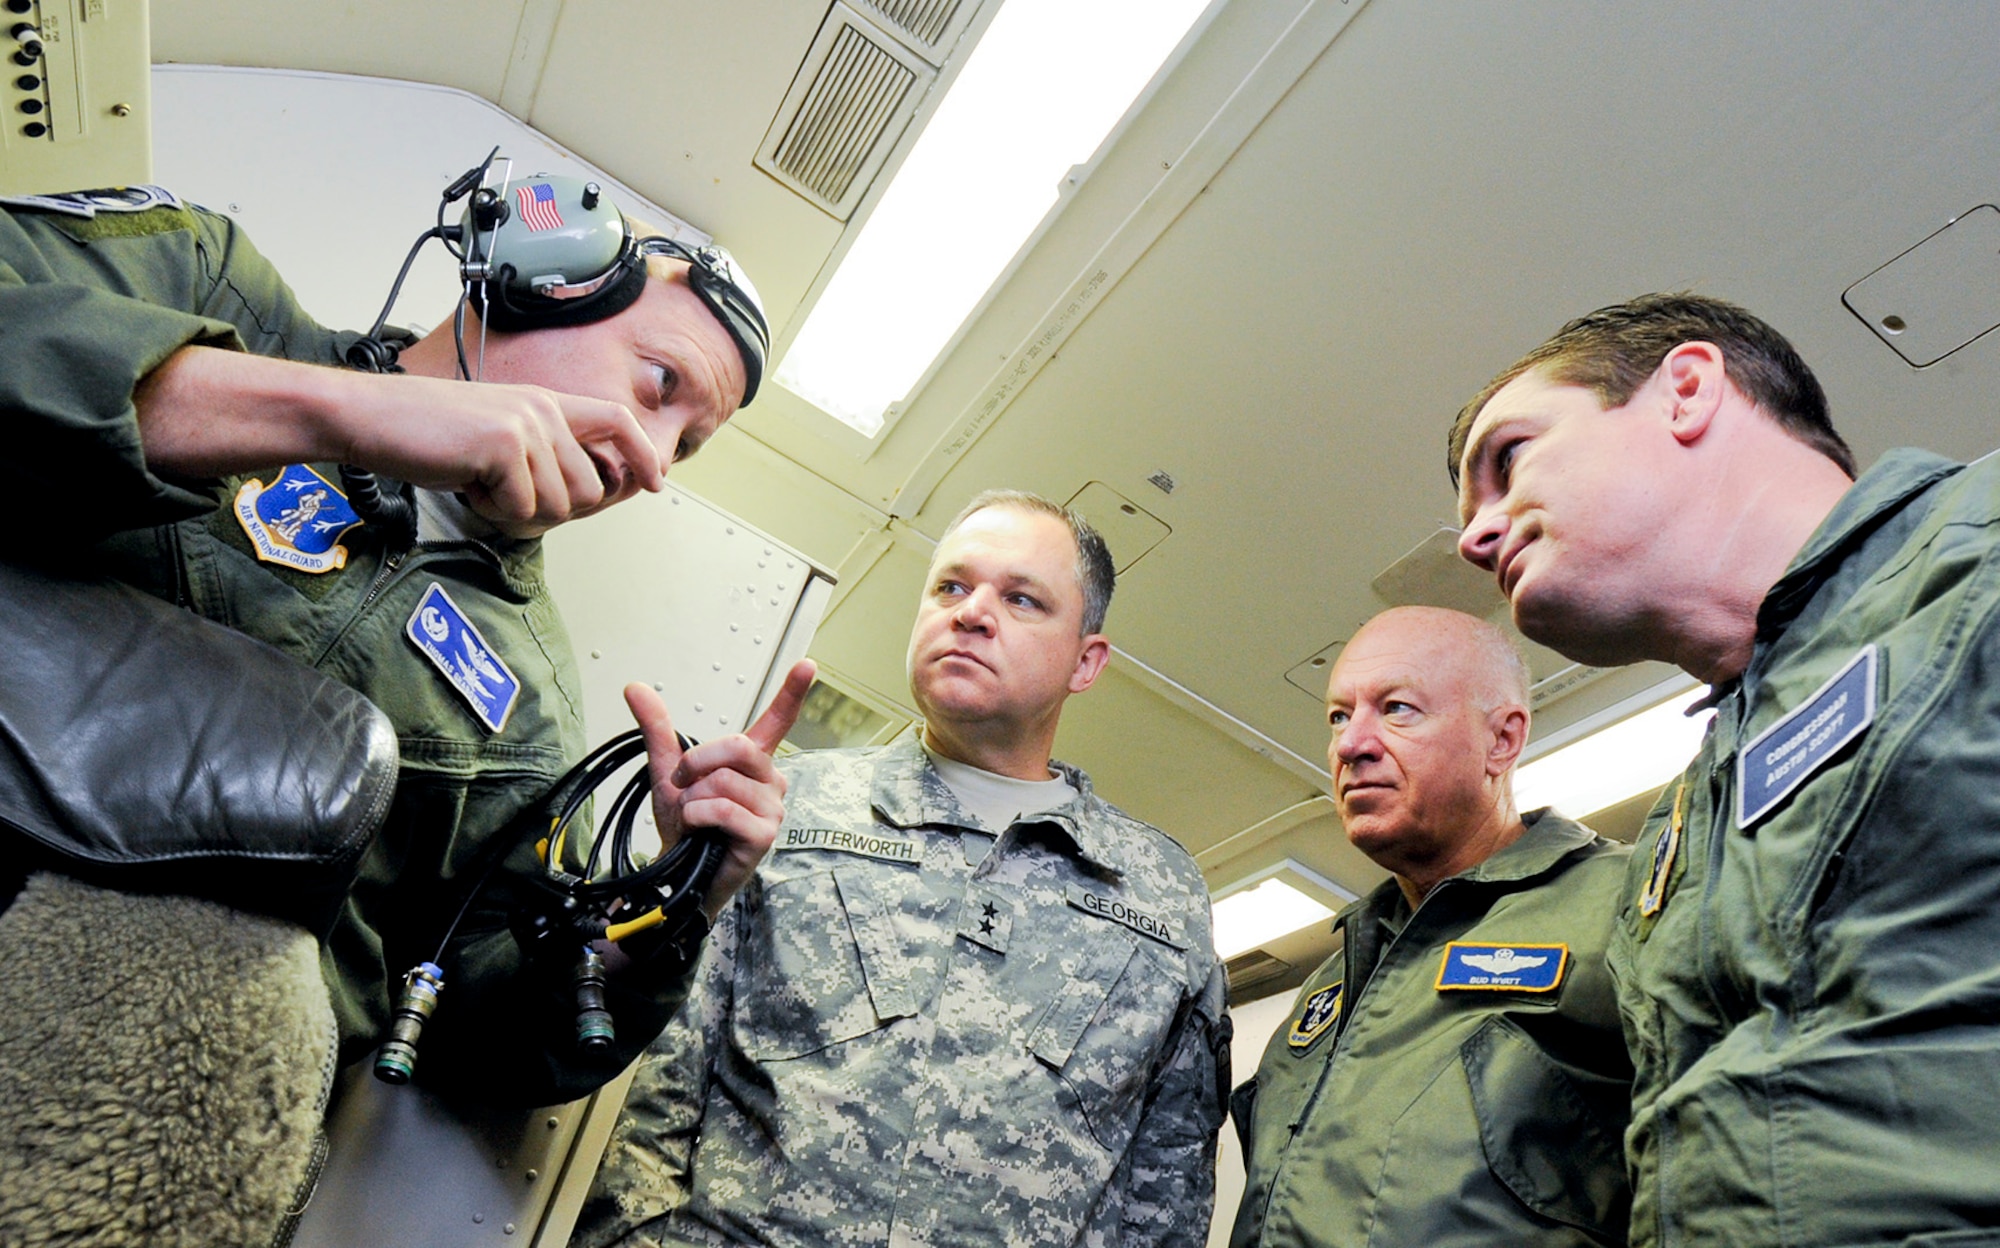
point(1514, 968)
point(442, 634)
point(1783, 755)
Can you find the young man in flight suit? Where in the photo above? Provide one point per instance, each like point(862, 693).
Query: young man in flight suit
point(1808, 959)
point(176, 419)
point(965, 1001)
point(1454, 1075)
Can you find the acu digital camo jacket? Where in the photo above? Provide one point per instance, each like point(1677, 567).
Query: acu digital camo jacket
point(900, 1037)
point(1809, 958)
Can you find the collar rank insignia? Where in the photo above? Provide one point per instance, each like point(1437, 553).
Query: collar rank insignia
point(1780, 758)
point(296, 520)
point(1508, 968)
point(1322, 1010)
point(442, 634)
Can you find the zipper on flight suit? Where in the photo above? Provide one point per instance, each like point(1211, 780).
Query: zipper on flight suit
point(1348, 1009)
point(384, 576)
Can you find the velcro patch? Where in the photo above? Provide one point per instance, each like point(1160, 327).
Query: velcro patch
point(297, 520)
point(1322, 1010)
point(1120, 911)
point(1509, 968)
point(841, 841)
point(442, 634)
point(1780, 758)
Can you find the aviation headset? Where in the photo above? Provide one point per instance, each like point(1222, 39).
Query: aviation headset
point(555, 252)
point(547, 252)
point(550, 251)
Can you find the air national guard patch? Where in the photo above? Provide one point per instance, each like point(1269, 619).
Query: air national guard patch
point(441, 632)
point(1783, 755)
point(296, 520)
point(1509, 968)
point(1321, 1012)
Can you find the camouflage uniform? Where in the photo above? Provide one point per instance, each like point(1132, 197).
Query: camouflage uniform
point(89, 308)
point(897, 1037)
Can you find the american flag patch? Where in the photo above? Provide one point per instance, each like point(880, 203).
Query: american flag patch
point(538, 206)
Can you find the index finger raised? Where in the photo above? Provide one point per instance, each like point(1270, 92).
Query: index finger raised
point(778, 718)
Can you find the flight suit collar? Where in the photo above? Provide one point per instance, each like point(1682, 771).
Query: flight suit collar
point(1878, 492)
point(1548, 838)
point(908, 793)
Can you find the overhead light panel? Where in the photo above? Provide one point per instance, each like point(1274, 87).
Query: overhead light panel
point(1046, 83)
point(1619, 756)
point(1273, 903)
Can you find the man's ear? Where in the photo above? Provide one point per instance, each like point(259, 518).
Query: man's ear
point(1508, 724)
point(1091, 663)
point(1695, 383)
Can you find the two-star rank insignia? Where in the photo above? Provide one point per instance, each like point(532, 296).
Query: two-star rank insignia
point(984, 920)
point(1322, 1010)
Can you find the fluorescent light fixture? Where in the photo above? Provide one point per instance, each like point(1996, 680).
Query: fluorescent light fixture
point(1274, 902)
point(1044, 85)
point(1632, 755)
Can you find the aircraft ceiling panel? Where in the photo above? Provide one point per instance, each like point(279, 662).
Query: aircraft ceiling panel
point(466, 44)
point(866, 633)
point(679, 95)
point(1443, 189)
point(1159, 762)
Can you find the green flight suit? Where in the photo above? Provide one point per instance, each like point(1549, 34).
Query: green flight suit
point(89, 307)
point(1411, 1104)
point(1810, 971)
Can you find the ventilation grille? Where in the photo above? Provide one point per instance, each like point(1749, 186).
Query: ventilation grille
point(932, 25)
point(1256, 974)
point(851, 100)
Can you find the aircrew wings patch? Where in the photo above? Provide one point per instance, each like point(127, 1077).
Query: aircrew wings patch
point(1511, 968)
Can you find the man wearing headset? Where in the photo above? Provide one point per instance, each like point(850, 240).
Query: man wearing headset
point(177, 420)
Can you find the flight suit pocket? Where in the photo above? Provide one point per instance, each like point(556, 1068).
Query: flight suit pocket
point(1101, 1035)
point(801, 984)
point(1544, 1132)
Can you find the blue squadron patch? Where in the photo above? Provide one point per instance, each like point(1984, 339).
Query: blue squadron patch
point(297, 520)
point(1509, 968)
point(1322, 1010)
point(440, 631)
point(1780, 758)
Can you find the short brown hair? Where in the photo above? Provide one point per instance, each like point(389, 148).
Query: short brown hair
point(1096, 575)
point(1612, 352)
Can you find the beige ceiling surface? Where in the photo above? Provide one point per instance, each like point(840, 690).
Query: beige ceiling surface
point(1426, 189)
